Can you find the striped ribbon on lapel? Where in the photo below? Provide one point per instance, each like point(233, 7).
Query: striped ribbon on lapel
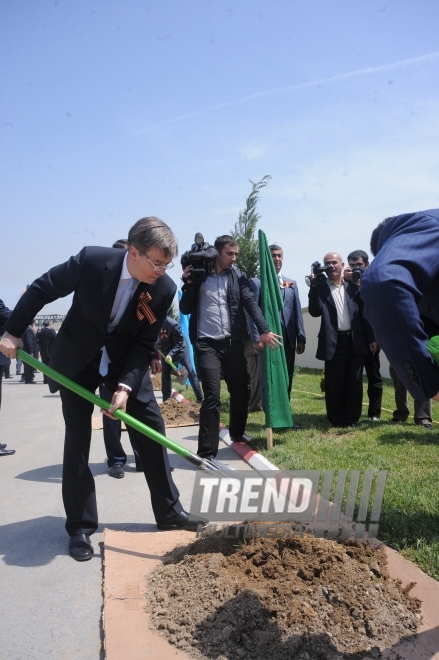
point(143, 309)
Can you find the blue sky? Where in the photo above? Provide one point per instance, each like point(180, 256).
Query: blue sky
point(111, 111)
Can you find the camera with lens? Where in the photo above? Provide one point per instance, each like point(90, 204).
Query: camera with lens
point(357, 272)
point(320, 272)
point(201, 256)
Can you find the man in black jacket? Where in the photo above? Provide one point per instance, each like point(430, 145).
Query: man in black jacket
point(173, 344)
point(108, 336)
point(46, 336)
point(28, 339)
point(344, 338)
point(217, 329)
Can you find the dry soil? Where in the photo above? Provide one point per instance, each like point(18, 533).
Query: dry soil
point(296, 599)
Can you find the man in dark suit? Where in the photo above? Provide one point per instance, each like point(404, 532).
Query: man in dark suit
point(343, 341)
point(293, 332)
point(4, 315)
point(400, 290)
point(28, 339)
point(46, 336)
point(358, 262)
point(119, 305)
point(173, 344)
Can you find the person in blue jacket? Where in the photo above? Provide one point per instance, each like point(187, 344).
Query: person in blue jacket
point(173, 344)
point(400, 290)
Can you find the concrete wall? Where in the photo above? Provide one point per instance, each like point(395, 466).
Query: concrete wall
point(308, 359)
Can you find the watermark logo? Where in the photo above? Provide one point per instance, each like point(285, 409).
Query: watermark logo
point(327, 503)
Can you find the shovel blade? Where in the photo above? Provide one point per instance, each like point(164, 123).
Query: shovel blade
point(215, 466)
point(182, 376)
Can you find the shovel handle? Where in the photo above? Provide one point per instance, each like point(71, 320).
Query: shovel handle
point(171, 364)
point(120, 414)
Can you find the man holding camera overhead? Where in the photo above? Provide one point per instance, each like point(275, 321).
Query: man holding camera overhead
point(344, 338)
point(216, 298)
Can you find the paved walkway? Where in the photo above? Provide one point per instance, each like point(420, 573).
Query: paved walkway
point(51, 606)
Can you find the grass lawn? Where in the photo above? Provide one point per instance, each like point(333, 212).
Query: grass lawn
point(410, 515)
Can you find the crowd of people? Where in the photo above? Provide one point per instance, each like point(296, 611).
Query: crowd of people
point(118, 321)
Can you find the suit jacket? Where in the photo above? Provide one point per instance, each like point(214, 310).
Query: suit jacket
point(291, 318)
point(93, 276)
point(172, 341)
point(45, 338)
point(321, 303)
point(401, 283)
point(29, 340)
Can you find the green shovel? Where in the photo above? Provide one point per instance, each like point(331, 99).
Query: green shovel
point(203, 463)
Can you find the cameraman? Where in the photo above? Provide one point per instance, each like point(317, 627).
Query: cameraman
point(217, 329)
point(343, 339)
point(358, 262)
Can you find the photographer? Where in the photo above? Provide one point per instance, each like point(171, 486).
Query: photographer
point(217, 329)
point(358, 262)
point(343, 339)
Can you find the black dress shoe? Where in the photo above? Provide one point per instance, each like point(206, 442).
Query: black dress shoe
point(116, 471)
point(181, 521)
point(80, 547)
point(6, 452)
point(2, 446)
point(242, 438)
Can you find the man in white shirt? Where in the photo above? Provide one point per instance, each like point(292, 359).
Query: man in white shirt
point(343, 341)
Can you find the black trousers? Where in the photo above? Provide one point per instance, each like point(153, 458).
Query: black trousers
point(112, 433)
point(290, 357)
point(45, 360)
point(254, 366)
point(28, 373)
point(402, 411)
point(166, 377)
point(78, 487)
point(375, 383)
point(344, 383)
point(216, 357)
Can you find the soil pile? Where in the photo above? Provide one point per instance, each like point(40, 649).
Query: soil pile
point(156, 381)
point(273, 599)
point(180, 414)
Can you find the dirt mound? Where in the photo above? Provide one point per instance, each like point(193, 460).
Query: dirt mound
point(181, 414)
point(295, 599)
point(156, 381)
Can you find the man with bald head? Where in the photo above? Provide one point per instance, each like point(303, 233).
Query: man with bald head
point(344, 338)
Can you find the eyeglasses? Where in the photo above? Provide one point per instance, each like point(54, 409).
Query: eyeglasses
point(157, 269)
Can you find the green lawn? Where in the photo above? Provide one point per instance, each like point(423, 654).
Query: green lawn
point(410, 516)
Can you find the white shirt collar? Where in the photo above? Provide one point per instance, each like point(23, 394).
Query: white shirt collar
point(125, 274)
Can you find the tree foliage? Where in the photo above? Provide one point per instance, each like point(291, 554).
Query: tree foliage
point(173, 312)
point(245, 228)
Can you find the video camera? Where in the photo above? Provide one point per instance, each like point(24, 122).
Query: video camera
point(357, 272)
point(320, 272)
point(201, 256)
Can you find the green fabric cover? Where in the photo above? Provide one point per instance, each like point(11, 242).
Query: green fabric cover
point(277, 405)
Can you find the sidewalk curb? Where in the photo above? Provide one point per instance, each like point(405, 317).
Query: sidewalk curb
point(249, 455)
